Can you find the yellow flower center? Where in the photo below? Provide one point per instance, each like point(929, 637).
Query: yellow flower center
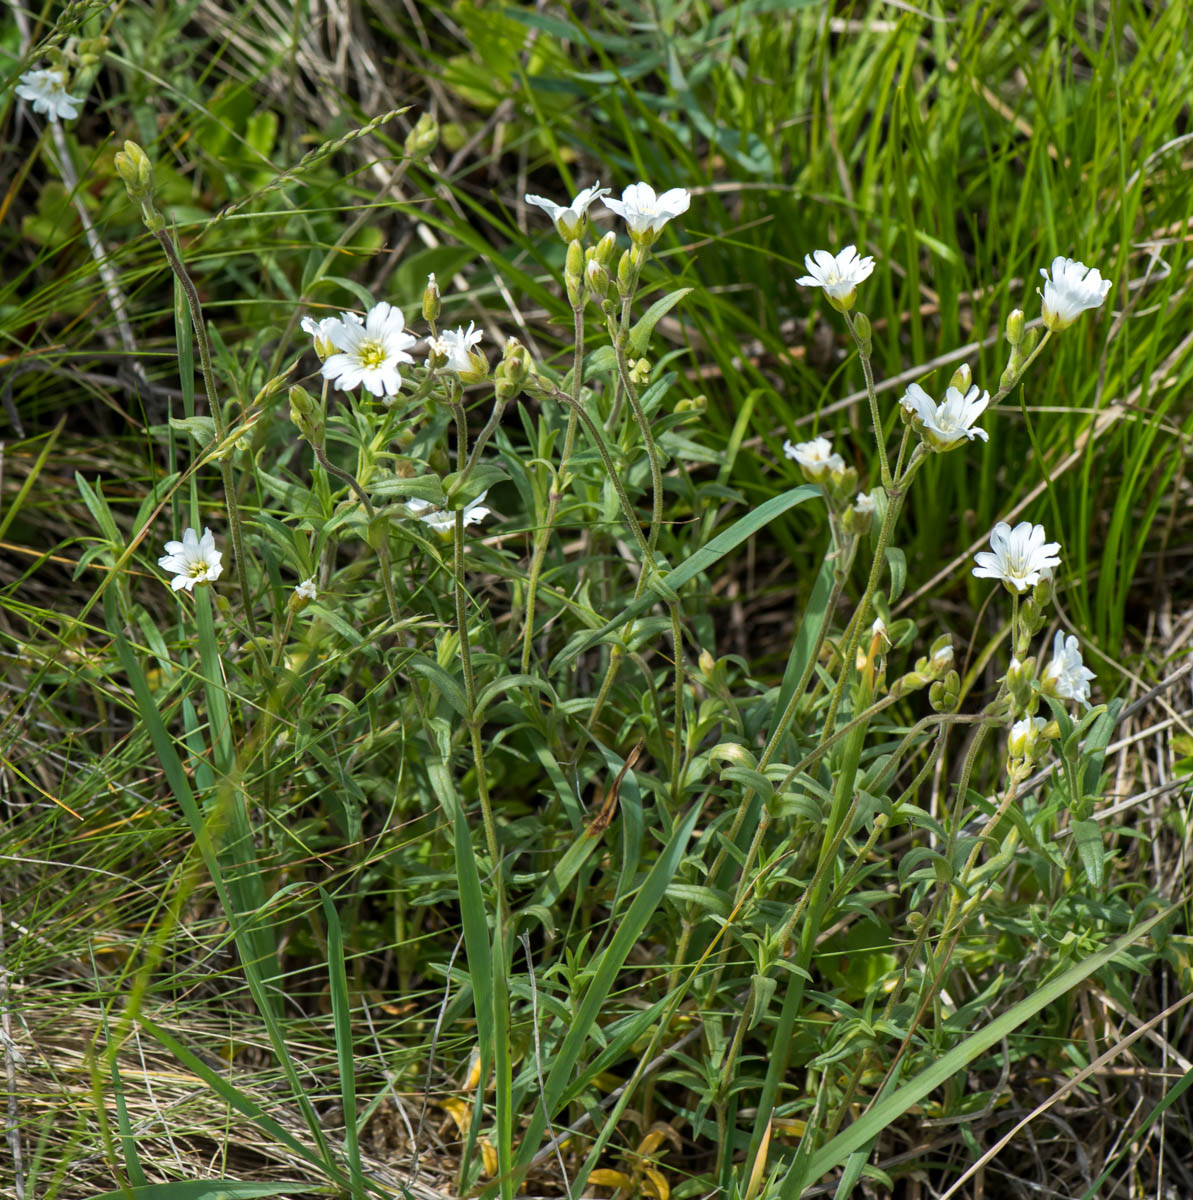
point(372, 354)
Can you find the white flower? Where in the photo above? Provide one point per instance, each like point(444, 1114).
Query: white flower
point(878, 630)
point(947, 423)
point(816, 458)
point(46, 90)
point(863, 502)
point(838, 274)
point(1024, 736)
point(646, 213)
point(915, 400)
point(569, 219)
point(369, 353)
point(444, 521)
point(324, 332)
point(307, 590)
point(1066, 675)
point(1070, 290)
point(192, 560)
point(1020, 558)
point(456, 346)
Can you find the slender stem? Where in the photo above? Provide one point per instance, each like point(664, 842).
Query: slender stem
point(875, 415)
point(478, 750)
point(652, 452)
point(781, 726)
point(611, 469)
point(556, 493)
point(1004, 392)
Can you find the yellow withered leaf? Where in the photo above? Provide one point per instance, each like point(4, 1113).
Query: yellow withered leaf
point(611, 1179)
point(459, 1112)
point(656, 1183)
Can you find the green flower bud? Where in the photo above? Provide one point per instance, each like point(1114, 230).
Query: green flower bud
point(513, 372)
point(431, 302)
point(597, 278)
point(307, 415)
point(573, 273)
point(962, 378)
point(1018, 679)
point(864, 333)
point(945, 694)
point(605, 249)
point(625, 275)
point(640, 373)
point(1025, 738)
point(844, 482)
point(1015, 328)
point(133, 166)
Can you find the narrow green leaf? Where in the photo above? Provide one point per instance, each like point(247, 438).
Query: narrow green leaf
point(708, 555)
point(612, 959)
point(1088, 836)
point(341, 1013)
point(832, 1155)
point(210, 1189)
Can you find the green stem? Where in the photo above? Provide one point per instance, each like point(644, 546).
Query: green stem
point(652, 452)
point(556, 493)
point(875, 415)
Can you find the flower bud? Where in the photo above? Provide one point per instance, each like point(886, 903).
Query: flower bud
point(423, 138)
point(945, 694)
point(605, 249)
point(431, 301)
point(1007, 380)
point(438, 353)
point(625, 275)
point(1015, 328)
point(962, 378)
point(512, 371)
point(844, 482)
point(864, 334)
point(133, 166)
point(573, 273)
point(271, 388)
point(597, 278)
point(706, 662)
point(307, 415)
point(941, 655)
point(1018, 679)
point(640, 372)
point(1024, 739)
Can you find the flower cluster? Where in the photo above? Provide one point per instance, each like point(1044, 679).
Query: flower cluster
point(644, 211)
point(363, 352)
